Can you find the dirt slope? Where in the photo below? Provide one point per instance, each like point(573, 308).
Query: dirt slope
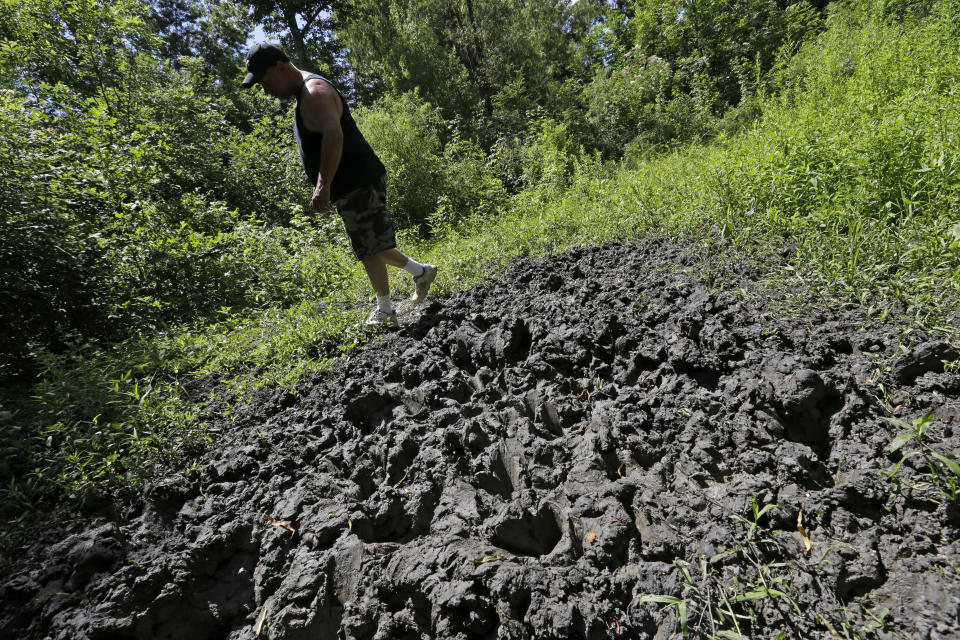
point(531, 459)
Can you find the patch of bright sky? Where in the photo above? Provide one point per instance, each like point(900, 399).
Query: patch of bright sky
point(258, 35)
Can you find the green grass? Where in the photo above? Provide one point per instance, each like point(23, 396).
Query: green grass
point(850, 176)
point(940, 480)
point(719, 597)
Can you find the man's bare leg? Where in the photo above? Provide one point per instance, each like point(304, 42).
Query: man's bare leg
point(377, 272)
point(376, 266)
point(394, 258)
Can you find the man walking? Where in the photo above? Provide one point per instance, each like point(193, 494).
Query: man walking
point(344, 171)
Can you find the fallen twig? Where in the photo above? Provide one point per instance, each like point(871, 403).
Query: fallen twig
point(282, 525)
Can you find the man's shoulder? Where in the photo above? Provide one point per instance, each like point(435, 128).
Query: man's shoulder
point(320, 101)
point(318, 84)
point(321, 91)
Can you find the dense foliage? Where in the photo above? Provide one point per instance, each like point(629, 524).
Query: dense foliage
point(155, 223)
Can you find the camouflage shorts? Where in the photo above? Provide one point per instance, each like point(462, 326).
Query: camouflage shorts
point(364, 215)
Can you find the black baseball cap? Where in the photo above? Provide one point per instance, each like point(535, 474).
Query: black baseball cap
point(261, 57)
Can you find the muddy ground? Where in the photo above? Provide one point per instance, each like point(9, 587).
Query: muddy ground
point(587, 448)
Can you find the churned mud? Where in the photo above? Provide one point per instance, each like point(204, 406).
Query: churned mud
point(600, 444)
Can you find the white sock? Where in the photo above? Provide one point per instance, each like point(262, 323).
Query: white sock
point(413, 267)
point(385, 304)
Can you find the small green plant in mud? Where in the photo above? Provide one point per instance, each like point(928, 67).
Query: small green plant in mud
point(725, 596)
point(847, 630)
point(716, 603)
point(881, 371)
point(951, 366)
point(942, 477)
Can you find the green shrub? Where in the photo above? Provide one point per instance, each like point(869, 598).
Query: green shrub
point(265, 177)
point(193, 269)
point(134, 208)
point(432, 173)
point(549, 157)
point(471, 186)
point(52, 273)
point(858, 158)
point(404, 132)
point(86, 425)
point(635, 106)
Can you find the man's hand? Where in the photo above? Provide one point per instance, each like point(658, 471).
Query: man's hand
point(321, 199)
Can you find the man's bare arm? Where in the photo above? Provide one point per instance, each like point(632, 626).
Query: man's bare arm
point(321, 111)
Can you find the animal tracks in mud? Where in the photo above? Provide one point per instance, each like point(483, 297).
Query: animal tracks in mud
point(532, 458)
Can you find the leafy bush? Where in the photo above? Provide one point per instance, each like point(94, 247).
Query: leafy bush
point(717, 46)
point(432, 173)
point(549, 157)
point(471, 186)
point(92, 427)
point(265, 177)
point(191, 270)
point(634, 101)
point(52, 275)
point(130, 209)
point(857, 158)
point(404, 132)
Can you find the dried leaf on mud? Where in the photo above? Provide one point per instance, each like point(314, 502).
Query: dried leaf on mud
point(486, 559)
point(585, 391)
point(263, 618)
point(826, 623)
point(620, 469)
point(803, 532)
point(591, 537)
point(615, 621)
point(282, 525)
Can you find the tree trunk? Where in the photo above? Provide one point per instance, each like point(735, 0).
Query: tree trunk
point(290, 17)
point(469, 48)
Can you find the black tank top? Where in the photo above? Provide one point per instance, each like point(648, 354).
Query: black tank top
point(359, 165)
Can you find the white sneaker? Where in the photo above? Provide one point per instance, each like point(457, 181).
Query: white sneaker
point(421, 283)
point(382, 318)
